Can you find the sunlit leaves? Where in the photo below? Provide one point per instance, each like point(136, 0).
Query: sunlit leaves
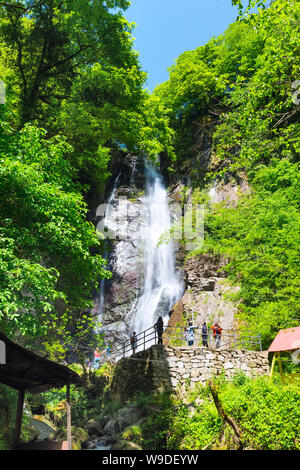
point(45, 238)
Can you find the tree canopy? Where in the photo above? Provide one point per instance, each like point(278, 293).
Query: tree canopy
point(75, 100)
point(237, 96)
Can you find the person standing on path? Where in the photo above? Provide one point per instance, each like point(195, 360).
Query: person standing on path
point(191, 334)
point(159, 328)
point(204, 334)
point(217, 332)
point(133, 342)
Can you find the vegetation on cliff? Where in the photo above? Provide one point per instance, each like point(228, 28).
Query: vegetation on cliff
point(258, 406)
point(74, 99)
point(237, 96)
point(74, 103)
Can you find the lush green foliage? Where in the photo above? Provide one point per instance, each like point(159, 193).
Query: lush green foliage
point(47, 45)
point(266, 411)
point(241, 88)
point(87, 402)
point(70, 68)
point(45, 238)
point(74, 101)
point(237, 97)
point(262, 122)
point(261, 239)
point(8, 407)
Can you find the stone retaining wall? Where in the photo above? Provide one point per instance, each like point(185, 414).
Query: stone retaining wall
point(164, 368)
point(200, 364)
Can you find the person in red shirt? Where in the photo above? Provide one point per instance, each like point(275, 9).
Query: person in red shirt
point(217, 332)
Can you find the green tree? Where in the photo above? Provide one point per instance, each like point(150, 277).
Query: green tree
point(49, 43)
point(260, 237)
point(47, 269)
point(233, 105)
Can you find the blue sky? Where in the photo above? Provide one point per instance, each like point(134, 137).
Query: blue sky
point(166, 28)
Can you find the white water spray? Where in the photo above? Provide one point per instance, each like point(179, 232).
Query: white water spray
point(105, 254)
point(162, 286)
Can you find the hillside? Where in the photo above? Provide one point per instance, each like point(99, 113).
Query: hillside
point(208, 167)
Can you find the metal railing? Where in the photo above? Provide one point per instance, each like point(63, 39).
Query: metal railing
point(230, 338)
point(143, 341)
point(176, 336)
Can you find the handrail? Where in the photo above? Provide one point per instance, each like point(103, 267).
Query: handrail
point(176, 337)
point(142, 339)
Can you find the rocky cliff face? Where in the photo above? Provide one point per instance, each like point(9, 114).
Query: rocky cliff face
point(206, 286)
point(205, 296)
point(145, 281)
point(123, 221)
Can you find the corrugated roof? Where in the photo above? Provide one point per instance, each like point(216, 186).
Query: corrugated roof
point(286, 340)
point(25, 370)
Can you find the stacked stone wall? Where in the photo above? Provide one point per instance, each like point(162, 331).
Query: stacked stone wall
point(200, 365)
point(161, 369)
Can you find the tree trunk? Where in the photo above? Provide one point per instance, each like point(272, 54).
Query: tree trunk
point(226, 419)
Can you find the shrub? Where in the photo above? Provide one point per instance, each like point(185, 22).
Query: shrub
point(267, 412)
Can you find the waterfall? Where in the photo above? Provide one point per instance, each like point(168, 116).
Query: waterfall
point(145, 283)
point(162, 285)
point(105, 254)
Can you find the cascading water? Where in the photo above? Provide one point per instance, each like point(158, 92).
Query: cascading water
point(163, 285)
point(145, 282)
point(105, 254)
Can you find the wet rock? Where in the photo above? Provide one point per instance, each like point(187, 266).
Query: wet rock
point(89, 445)
point(111, 427)
point(94, 428)
point(128, 416)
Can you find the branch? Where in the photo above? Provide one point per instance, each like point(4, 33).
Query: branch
point(226, 419)
point(81, 49)
point(214, 112)
point(16, 7)
point(285, 117)
point(20, 66)
point(67, 59)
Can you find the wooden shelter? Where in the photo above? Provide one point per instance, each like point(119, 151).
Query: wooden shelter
point(26, 371)
point(286, 340)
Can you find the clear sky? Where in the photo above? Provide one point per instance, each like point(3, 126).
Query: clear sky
point(166, 28)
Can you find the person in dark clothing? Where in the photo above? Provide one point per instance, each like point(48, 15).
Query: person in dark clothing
point(133, 342)
point(204, 334)
point(159, 328)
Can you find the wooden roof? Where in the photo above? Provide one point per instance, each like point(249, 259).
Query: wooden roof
point(286, 340)
point(25, 370)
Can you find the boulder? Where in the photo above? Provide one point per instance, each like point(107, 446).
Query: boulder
point(111, 427)
point(94, 428)
point(128, 416)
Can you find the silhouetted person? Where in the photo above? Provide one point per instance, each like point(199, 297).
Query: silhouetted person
point(159, 328)
point(133, 342)
point(204, 334)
